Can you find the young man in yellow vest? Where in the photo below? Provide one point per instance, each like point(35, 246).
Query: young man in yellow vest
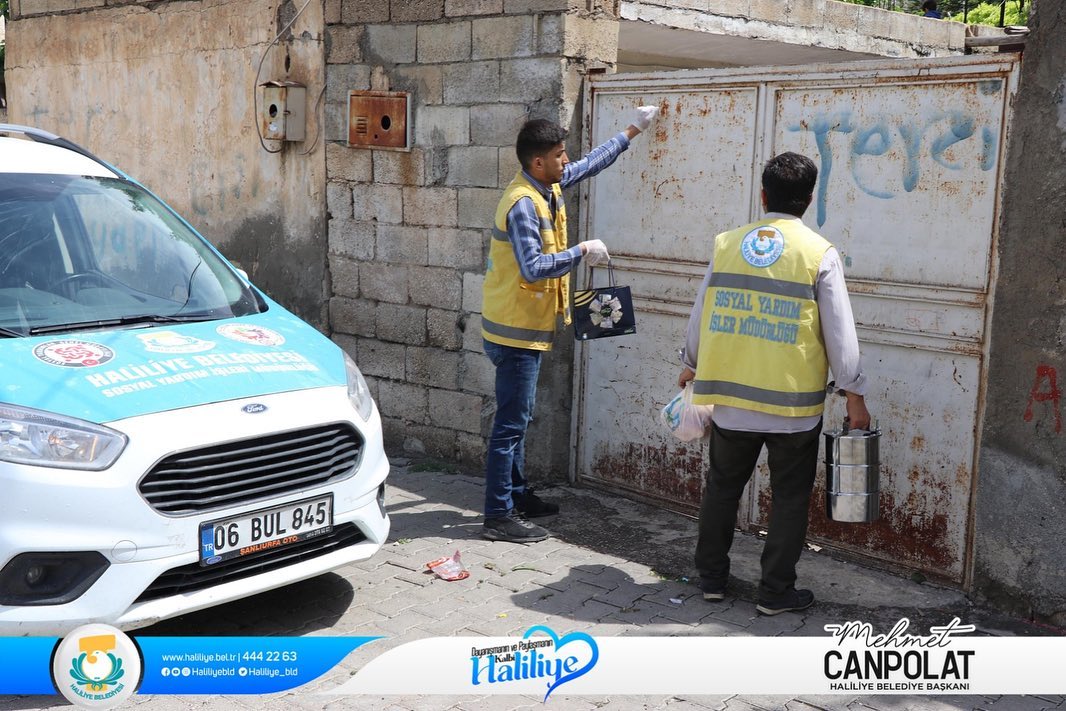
point(770, 319)
point(526, 287)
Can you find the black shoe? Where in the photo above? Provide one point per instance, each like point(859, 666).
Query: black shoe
point(532, 506)
point(713, 590)
point(792, 601)
point(512, 528)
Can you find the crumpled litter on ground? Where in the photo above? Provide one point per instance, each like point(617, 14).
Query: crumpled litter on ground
point(449, 567)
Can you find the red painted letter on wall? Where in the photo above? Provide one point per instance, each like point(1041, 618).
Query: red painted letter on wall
point(1038, 394)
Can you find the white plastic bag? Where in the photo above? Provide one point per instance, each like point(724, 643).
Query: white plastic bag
point(685, 420)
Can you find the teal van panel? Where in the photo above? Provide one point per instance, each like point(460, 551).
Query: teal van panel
point(108, 375)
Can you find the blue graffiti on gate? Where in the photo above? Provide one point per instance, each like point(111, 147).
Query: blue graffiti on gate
point(943, 130)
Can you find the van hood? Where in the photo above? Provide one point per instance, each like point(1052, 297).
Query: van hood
point(108, 375)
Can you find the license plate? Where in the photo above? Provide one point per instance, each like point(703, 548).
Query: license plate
point(265, 530)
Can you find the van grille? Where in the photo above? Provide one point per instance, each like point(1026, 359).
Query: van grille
point(193, 577)
point(251, 469)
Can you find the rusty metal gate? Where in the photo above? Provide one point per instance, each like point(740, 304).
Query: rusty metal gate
point(910, 155)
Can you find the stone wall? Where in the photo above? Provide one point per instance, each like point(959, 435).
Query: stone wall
point(1021, 497)
point(409, 231)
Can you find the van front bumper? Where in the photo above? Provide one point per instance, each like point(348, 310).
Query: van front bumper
point(103, 519)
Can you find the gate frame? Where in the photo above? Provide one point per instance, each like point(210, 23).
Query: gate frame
point(769, 80)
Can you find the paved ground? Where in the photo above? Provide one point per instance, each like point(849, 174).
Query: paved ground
point(613, 567)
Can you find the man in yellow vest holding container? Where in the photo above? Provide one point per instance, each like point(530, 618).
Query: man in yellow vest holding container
point(526, 288)
point(771, 318)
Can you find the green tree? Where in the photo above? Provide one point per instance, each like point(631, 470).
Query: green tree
point(913, 6)
point(977, 13)
point(1016, 12)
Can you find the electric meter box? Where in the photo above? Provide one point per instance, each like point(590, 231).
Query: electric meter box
point(283, 113)
point(379, 119)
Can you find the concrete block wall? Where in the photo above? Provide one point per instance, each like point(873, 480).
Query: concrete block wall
point(409, 230)
point(819, 23)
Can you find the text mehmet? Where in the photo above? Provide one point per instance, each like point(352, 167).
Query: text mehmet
point(896, 661)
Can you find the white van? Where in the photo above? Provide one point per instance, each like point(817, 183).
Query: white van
point(170, 438)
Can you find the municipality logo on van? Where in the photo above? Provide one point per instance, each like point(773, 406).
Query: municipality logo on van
point(70, 353)
point(173, 342)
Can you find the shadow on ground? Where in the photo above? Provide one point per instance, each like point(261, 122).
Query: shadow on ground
point(664, 542)
point(301, 608)
point(644, 534)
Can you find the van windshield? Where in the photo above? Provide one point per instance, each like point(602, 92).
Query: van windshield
point(79, 252)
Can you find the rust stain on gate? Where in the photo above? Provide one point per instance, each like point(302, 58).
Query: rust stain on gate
point(672, 474)
point(914, 530)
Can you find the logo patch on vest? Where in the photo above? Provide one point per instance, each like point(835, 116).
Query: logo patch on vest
point(762, 246)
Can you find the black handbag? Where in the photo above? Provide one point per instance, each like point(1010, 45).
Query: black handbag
point(604, 311)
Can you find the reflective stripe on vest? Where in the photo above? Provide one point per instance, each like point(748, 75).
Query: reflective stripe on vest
point(517, 334)
point(748, 392)
point(767, 286)
point(516, 312)
point(761, 344)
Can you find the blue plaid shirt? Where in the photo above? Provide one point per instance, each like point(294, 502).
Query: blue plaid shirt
point(523, 226)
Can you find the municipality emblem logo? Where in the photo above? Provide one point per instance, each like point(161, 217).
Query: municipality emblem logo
point(762, 246)
point(173, 342)
point(70, 353)
point(96, 666)
point(250, 334)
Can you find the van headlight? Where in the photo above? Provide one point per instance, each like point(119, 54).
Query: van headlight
point(358, 392)
point(45, 439)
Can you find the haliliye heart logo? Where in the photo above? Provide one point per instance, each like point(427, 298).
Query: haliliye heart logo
point(540, 654)
point(566, 667)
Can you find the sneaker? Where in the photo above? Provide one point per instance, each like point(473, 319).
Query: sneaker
point(532, 506)
point(713, 590)
point(512, 528)
point(792, 601)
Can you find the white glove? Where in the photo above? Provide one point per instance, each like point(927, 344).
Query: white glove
point(645, 114)
point(595, 252)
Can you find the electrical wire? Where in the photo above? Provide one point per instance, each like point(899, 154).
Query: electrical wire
point(255, 85)
point(318, 122)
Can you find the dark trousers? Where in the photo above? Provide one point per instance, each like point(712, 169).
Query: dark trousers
point(516, 394)
point(793, 460)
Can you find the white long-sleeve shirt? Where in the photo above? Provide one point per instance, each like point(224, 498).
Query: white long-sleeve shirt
point(838, 332)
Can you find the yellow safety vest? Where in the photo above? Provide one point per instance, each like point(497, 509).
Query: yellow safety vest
point(515, 312)
point(761, 344)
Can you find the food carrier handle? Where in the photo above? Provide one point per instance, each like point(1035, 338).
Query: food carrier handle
point(832, 388)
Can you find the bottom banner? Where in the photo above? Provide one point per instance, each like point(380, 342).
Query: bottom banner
point(852, 659)
point(100, 666)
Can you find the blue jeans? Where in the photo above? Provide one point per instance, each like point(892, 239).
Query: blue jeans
point(516, 391)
